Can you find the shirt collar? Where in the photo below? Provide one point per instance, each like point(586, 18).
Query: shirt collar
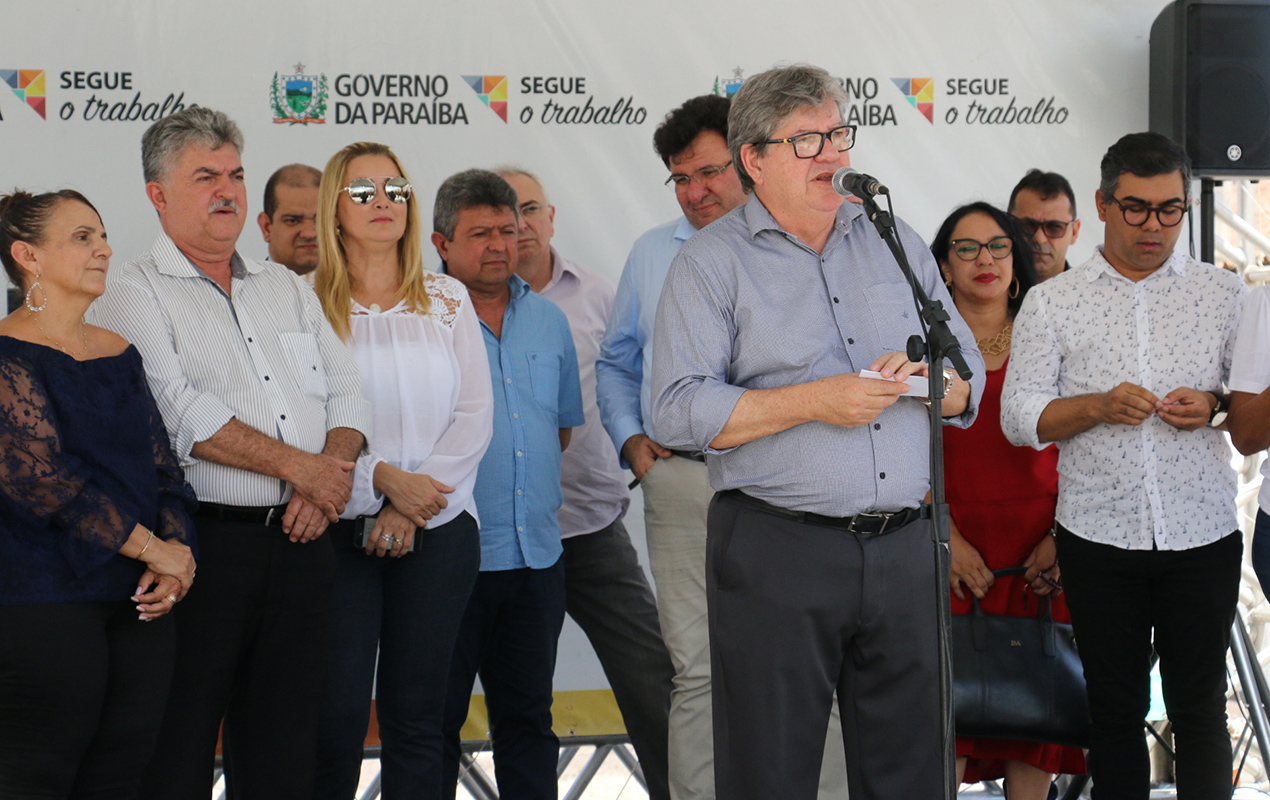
point(759, 219)
point(684, 230)
point(171, 261)
point(561, 267)
point(1098, 265)
point(519, 287)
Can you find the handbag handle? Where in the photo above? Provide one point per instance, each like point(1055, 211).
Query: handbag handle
point(979, 624)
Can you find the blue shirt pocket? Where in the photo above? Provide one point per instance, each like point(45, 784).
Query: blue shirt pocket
point(544, 377)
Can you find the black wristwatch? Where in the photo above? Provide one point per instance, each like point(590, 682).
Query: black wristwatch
point(1220, 410)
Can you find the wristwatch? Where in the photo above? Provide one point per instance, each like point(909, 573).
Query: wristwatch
point(1220, 411)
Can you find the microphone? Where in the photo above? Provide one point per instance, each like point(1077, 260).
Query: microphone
point(849, 181)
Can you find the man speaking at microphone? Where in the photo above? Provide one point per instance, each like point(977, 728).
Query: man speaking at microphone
point(820, 567)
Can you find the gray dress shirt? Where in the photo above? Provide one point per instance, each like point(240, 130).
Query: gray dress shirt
point(748, 306)
point(264, 354)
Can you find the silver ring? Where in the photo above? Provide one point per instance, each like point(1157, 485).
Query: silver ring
point(391, 541)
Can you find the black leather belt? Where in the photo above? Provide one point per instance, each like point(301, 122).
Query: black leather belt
point(270, 516)
point(690, 455)
point(866, 524)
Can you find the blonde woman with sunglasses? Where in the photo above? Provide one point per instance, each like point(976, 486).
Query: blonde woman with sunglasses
point(402, 589)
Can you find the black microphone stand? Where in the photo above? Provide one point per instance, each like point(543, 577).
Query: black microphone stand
point(939, 343)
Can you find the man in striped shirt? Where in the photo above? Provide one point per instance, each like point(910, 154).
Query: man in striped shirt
point(264, 409)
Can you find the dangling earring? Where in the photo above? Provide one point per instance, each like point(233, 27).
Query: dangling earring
point(31, 306)
point(1014, 288)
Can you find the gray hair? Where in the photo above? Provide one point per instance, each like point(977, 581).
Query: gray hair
point(508, 169)
point(1145, 155)
point(767, 99)
point(163, 141)
point(470, 189)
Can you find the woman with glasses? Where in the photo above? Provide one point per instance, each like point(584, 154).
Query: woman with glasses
point(403, 590)
point(1001, 497)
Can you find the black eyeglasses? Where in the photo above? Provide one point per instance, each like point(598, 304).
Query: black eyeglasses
point(1137, 214)
point(1054, 228)
point(363, 190)
point(702, 175)
point(809, 145)
point(968, 249)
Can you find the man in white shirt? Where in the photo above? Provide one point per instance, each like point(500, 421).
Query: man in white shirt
point(1121, 361)
point(606, 591)
point(289, 221)
point(264, 409)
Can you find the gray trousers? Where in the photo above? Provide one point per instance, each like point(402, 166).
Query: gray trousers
point(798, 611)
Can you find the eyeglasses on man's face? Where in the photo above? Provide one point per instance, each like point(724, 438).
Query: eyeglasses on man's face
point(968, 249)
point(1137, 213)
point(702, 175)
point(1053, 228)
point(363, 190)
point(810, 145)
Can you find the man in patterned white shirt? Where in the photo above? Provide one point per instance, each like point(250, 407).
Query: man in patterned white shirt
point(1122, 361)
point(264, 407)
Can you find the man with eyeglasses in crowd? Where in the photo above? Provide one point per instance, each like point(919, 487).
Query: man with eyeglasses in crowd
point(606, 591)
point(1122, 362)
point(692, 143)
point(821, 567)
point(1044, 204)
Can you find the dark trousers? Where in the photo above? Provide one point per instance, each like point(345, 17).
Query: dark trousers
point(1117, 599)
point(82, 688)
point(1261, 551)
point(509, 635)
point(251, 650)
point(410, 609)
point(799, 610)
point(608, 596)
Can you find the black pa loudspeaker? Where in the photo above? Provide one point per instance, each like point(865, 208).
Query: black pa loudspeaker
point(1210, 84)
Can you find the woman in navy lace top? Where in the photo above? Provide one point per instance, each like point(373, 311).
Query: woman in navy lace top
point(95, 533)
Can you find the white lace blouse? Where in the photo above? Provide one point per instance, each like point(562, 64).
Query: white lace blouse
point(427, 379)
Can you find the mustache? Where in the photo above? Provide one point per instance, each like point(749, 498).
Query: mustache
point(224, 202)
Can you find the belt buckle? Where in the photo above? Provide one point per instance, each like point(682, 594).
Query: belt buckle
point(885, 517)
point(269, 515)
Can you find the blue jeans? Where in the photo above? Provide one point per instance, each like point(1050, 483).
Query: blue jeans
point(410, 607)
point(509, 635)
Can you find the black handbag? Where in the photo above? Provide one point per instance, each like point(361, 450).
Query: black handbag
point(1018, 677)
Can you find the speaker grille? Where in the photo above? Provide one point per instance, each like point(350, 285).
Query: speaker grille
point(1228, 87)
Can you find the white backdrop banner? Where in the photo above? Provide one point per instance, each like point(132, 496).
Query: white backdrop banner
point(955, 100)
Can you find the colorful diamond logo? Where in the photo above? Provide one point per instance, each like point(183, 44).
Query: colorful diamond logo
point(28, 85)
point(492, 89)
point(920, 93)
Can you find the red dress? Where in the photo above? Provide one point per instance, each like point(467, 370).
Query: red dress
point(1002, 499)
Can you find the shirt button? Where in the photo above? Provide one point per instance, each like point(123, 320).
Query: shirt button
point(877, 426)
point(882, 475)
point(835, 299)
point(266, 377)
point(284, 416)
point(515, 416)
point(519, 454)
point(509, 380)
point(250, 340)
point(518, 491)
point(851, 341)
point(520, 529)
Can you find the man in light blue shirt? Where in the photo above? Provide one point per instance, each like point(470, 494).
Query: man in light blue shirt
point(692, 142)
point(514, 616)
